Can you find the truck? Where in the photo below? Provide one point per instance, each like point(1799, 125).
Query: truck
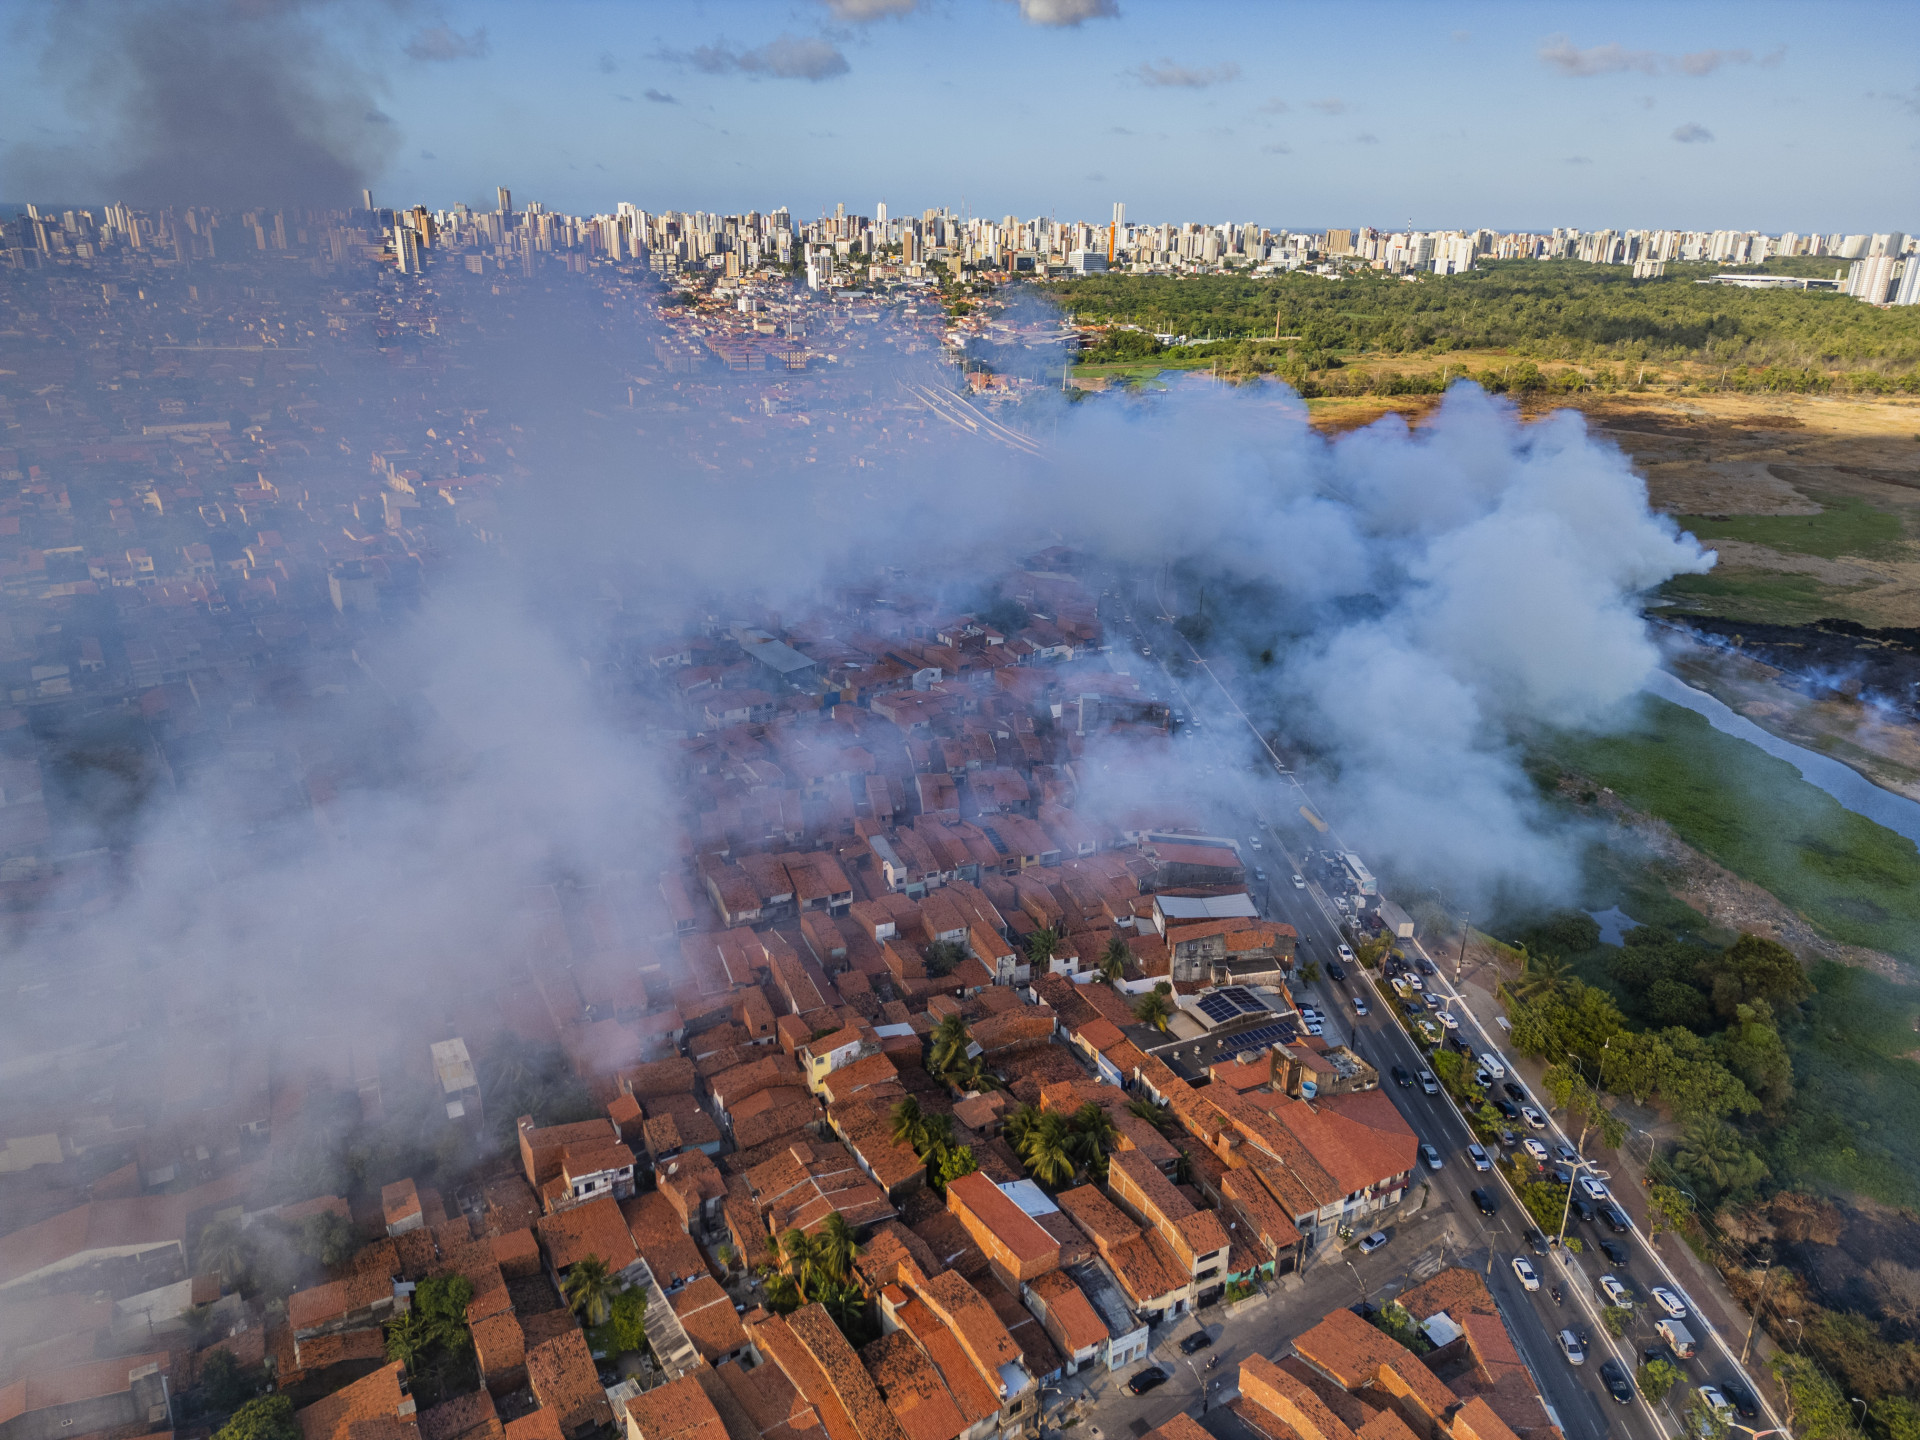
point(1678, 1336)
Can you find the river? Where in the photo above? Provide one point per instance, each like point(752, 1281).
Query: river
point(1843, 783)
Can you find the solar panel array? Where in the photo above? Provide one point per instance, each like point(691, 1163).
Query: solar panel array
point(1265, 1035)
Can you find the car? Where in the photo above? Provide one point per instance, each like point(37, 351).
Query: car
point(1616, 1219)
point(1431, 1156)
point(1570, 1347)
point(1459, 1042)
point(1584, 1209)
point(1259, 875)
point(1616, 1293)
point(1669, 1302)
point(1446, 1019)
point(1721, 1407)
point(1360, 1005)
point(1254, 841)
point(1373, 1242)
point(1490, 1063)
point(1345, 950)
point(1562, 1175)
point(1427, 1083)
point(1146, 653)
point(1199, 1340)
point(1506, 1108)
point(1427, 1031)
point(1533, 1117)
point(1742, 1398)
point(1401, 1077)
point(1479, 1158)
point(1535, 1149)
point(1614, 1251)
point(1515, 1091)
point(1529, 1277)
point(1565, 1151)
point(1486, 1202)
point(1147, 1380)
point(1509, 1139)
point(1426, 965)
point(1536, 1242)
point(1314, 1027)
point(1614, 1376)
point(1482, 1079)
point(1337, 970)
point(1593, 1189)
point(1299, 883)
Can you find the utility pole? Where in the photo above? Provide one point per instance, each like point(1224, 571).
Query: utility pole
point(1766, 1274)
point(1460, 960)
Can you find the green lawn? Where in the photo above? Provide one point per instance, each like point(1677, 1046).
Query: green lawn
point(1856, 881)
point(1844, 526)
point(1767, 597)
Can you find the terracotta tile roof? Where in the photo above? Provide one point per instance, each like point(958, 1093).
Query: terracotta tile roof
point(1356, 1353)
point(814, 1328)
point(499, 1345)
point(678, 1410)
point(890, 1246)
point(654, 1226)
point(563, 1378)
point(706, 1313)
point(1457, 1291)
point(461, 1416)
point(1261, 1218)
point(1180, 1427)
point(1070, 1311)
point(1000, 1217)
point(776, 1340)
point(868, 1129)
point(976, 1399)
point(372, 1397)
point(972, 1320)
point(595, 1228)
point(342, 1347)
point(1147, 1270)
point(535, 1425)
point(912, 1388)
point(336, 1300)
point(1103, 1221)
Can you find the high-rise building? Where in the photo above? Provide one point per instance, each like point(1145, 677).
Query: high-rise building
point(1907, 292)
point(1887, 244)
point(880, 219)
point(506, 199)
point(366, 199)
point(1871, 278)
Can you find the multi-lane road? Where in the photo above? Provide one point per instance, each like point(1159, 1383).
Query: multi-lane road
point(1576, 1394)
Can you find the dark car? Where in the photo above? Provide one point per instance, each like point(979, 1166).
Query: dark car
point(1536, 1242)
point(1741, 1398)
point(1516, 1091)
point(1562, 1175)
point(1147, 1380)
point(1662, 1351)
point(1426, 965)
point(1584, 1209)
point(1457, 1041)
point(1401, 1077)
point(1336, 970)
point(1487, 1202)
point(1199, 1340)
point(1506, 1108)
point(1616, 1219)
point(1614, 1376)
point(1614, 1251)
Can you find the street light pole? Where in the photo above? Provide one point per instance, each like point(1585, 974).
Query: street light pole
point(1460, 960)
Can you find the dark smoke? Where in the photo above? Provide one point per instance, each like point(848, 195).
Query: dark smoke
point(206, 102)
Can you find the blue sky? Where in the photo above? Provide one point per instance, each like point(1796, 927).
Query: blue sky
point(1303, 115)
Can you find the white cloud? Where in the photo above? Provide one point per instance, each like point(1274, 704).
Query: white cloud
point(1189, 77)
point(1067, 13)
point(865, 12)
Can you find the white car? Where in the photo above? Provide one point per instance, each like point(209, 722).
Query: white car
point(1616, 1293)
point(1446, 1019)
point(1299, 883)
point(1528, 1276)
point(1721, 1407)
point(1669, 1302)
point(1314, 1027)
point(1431, 1156)
point(1373, 1242)
point(1534, 1148)
point(1346, 951)
point(1428, 1084)
point(1593, 1189)
point(1416, 982)
point(1479, 1158)
point(1360, 1005)
point(1533, 1117)
point(1490, 1063)
point(1254, 841)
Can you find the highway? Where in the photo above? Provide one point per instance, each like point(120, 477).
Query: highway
point(1576, 1394)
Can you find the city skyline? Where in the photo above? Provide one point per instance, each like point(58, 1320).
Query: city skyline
point(1628, 117)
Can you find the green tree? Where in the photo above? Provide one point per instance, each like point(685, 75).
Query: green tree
point(1153, 1009)
point(783, 1295)
point(627, 1318)
point(1615, 1318)
point(224, 1248)
point(1094, 1136)
point(1635, 1064)
point(328, 1238)
point(909, 1123)
point(441, 1303)
point(836, 1246)
point(1817, 1409)
point(268, 1418)
point(1144, 1107)
point(1755, 968)
point(1048, 1151)
point(947, 1046)
point(1695, 1085)
point(956, 1162)
point(1657, 1379)
point(1668, 1209)
point(1752, 1049)
point(1716, 1161)
point(846, 1306)
point(1310, 973)
point(1041, 946)
point(1113, 961)
point(1019, 1124)
point(1543, 977)
point(1583, 1104)
point(588, 1288)
point(408, 1339)
point(803, 1260)
point(223, 1385)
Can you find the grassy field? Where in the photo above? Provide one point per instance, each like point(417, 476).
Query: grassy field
point(1855, 1124)
point(1845, 526)
point(1768, 596)
point(1856, 881)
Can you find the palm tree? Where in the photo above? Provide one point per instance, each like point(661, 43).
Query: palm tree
point(1041, 945)
point(974, 1075)
point(407, 1339)
point(1712, 1154)
point(846, 1306)
point(803, 1259)
point(589, 1288)
point(836, 1246)
point(1153, 1009)
point(1048, 1152)
point(909, 1124)
point(1094, 1136)
point(1113, 960)
point(1542, 976)
point(949, 1043)
point(1154, 1115)
point(783, 1296)
point(1019, 1124)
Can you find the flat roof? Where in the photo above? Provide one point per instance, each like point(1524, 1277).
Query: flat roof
point(1207, 907)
